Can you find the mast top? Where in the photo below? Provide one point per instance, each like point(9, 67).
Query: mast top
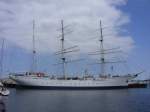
point(2, 56)
point(101, 32)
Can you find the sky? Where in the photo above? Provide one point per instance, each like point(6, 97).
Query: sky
point(139, 30)
point(125, 26)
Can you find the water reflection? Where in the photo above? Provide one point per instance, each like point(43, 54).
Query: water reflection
point(77, 101)
point(2, 105)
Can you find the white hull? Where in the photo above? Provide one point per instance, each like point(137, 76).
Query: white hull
point(29, 81)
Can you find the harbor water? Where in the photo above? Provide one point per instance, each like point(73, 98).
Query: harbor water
point(123, 100)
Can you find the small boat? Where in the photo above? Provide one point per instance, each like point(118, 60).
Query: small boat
point(137, 84)
point(3, 91)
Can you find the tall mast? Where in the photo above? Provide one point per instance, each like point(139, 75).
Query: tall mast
point(62, 50)
point(102, 58)
point(102, 52)
point(1, 58)
point(33, 68)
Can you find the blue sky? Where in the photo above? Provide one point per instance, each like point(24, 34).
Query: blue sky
point(139, 29)
point(16, 28)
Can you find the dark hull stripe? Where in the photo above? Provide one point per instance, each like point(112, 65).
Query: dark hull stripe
point(137, 85)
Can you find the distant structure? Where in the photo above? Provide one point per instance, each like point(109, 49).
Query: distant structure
point(1, 57)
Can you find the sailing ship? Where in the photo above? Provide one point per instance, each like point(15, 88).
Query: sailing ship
point(103, 81)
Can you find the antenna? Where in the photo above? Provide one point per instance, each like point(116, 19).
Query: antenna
point(2, 56)
point(33, 67)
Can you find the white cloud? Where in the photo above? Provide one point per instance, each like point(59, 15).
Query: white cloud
point(16, 23)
